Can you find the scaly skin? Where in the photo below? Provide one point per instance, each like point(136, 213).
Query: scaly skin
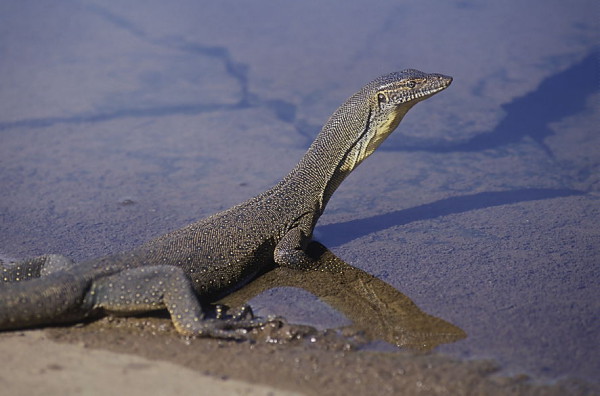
point(195, 265)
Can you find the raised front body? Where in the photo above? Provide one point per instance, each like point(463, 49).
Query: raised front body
point(196, 264)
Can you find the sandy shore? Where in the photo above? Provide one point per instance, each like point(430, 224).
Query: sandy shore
point(71, 369)
point(143, 356)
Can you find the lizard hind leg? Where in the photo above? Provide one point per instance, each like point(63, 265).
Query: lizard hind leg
point(145, 289)
point(34, 267)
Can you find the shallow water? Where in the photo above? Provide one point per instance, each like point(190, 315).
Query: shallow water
point(120, 121)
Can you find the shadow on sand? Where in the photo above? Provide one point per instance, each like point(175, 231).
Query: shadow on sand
point(340, 233)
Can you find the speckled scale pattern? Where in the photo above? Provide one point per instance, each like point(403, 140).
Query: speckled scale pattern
point(192, 266)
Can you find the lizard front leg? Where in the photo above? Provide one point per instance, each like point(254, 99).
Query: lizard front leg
point(146, 289)
point(291, 251)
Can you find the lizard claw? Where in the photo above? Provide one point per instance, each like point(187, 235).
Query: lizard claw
point(223, 312)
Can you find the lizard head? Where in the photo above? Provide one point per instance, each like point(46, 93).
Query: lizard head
point(361, 124)
point(389, 98)
point(380, 106)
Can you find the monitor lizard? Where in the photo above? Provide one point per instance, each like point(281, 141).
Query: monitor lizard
point(187, 269)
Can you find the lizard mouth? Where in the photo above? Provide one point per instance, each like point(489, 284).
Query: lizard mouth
point(436, 84)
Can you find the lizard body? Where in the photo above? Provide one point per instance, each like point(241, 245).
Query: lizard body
point(207, 259)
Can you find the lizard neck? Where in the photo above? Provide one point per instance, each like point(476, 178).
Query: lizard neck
point(352, 133)
point(327, 162)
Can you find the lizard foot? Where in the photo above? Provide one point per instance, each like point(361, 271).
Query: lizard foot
point(240, 313)
point(231, 328)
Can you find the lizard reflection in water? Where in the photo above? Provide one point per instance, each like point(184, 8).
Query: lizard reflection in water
point(186, 269)
point(375, 308)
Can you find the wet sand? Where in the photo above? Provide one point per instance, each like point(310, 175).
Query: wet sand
point(158, 360)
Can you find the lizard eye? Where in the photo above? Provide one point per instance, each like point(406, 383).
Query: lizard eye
point(381, 98)
point(411, 84)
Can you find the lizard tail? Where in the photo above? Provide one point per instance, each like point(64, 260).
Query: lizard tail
point(56, 298)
